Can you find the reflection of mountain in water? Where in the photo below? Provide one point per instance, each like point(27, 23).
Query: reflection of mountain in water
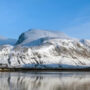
point(60, 81)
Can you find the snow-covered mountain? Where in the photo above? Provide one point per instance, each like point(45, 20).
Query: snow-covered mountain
point(34, 36)
point(49, 50)
point(85, 42)
point(4, 40)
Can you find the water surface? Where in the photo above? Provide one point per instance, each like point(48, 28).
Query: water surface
point(44, 81)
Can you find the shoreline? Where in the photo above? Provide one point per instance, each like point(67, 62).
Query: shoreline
point(43, 70)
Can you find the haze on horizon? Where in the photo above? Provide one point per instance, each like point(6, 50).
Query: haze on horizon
point(69, 16)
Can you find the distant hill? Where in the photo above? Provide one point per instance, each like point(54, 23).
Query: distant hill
point(4, 40)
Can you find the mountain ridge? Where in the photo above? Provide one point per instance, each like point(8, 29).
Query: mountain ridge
point(44, 49)
point(35, 34)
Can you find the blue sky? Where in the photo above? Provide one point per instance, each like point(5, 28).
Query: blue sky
point(69, 16)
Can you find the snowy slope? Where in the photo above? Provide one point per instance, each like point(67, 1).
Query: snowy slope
point(49, 50)
point(33, 36)
point(53, 53)
point(85, 42)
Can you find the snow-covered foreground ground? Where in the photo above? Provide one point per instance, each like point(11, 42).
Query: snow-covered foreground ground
point(46, 52)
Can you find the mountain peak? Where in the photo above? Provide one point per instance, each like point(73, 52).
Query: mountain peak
point(35, 34)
